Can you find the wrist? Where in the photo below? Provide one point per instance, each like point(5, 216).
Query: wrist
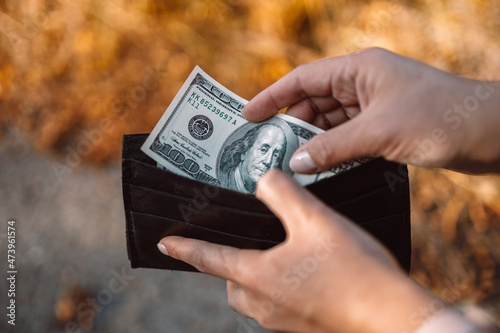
point(404, 308)
point(481, 120)
point(451, 320)
point(389, 303)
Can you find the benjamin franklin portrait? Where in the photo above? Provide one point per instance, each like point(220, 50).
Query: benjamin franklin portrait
point(258, 149)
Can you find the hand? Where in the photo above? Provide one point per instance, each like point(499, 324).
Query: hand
point(376, 103)
point(328, 275)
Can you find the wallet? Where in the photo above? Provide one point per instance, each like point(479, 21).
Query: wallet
point(159, 203)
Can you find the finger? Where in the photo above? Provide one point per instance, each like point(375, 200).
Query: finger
point(310, 80)
point(313, 109)
point(356, 138)
point(291, 203)
point(232, 287)
point(237, 300)
point(214, 259)
point(322, 119)
point(331, 119)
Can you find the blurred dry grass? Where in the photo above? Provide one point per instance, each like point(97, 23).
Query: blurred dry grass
point(67, 66)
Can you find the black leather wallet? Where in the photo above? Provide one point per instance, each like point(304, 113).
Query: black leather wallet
point(159, 203)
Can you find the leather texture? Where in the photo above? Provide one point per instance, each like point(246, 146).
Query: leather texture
point(159, 203)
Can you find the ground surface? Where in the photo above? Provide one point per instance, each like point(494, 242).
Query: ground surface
point(71, 244)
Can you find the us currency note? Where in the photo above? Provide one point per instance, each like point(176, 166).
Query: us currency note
point(202, 135)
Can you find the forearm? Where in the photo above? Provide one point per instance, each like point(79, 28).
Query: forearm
point(397, 304)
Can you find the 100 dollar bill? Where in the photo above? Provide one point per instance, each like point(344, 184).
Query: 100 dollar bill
point(202, 135)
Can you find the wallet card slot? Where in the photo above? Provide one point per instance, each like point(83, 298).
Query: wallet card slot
point(379, 203)
point(336, 189)
point(377, 227)
point(392, 231)
point(334, 196)
point(150, 176)
point(216, 217)
point(365, 178)
point(149, 230)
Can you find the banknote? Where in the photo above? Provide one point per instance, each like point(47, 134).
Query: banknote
point(202, 135)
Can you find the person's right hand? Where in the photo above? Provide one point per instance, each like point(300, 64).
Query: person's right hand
point(377, 103)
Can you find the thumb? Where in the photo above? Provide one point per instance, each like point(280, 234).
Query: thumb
point(290, 202)
point(353, 139)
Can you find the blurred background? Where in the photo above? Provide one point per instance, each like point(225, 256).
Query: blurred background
point(77, 75)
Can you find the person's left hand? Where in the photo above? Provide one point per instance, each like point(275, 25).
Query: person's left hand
point(328, 275)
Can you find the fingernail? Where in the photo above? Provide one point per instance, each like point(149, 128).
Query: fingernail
point(302, 162)
point(162, 248)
